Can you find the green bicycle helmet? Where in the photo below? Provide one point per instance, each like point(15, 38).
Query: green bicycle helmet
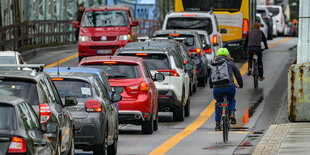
point(222, 52)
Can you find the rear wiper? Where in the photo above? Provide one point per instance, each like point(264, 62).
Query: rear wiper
point(116, 76)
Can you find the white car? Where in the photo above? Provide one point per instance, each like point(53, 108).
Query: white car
point(277, 13)
point(274, 27)
point(263, 25)
point(11, 57)
point(174, 92)
point(197, 21)
point(210, 51)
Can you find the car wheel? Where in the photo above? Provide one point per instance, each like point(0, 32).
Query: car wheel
point(188, 107)
point(112, 150)
point(195, 87)
point(179, 112)
point(102, 149)
point(156, 122)
point(190, 89)
point(148, 126)
point(80, 58)
point(202, 81)
point(72, 149)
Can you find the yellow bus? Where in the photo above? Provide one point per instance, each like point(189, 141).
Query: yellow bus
point(236, 16)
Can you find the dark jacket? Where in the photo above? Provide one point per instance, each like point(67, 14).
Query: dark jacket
point(232, 70)
point(254, 39)
point(79, 16)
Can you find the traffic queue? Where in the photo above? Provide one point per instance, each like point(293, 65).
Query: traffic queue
point(120, 79)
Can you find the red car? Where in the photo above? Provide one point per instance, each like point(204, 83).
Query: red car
point(139, 105)
point(104, 29)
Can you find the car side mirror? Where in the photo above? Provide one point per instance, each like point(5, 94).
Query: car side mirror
point(51, 128)
point(206, 47)
point(116, 97)
point(70, 101)
point(159, 77)
point(223, 31)
point(76, 24)
point(117, 90)
point(135, 23)
point(188, 67)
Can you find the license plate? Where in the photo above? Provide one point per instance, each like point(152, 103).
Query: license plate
point(104, 51)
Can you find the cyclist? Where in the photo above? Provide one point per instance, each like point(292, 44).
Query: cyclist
point(253, 43)
point(227, 88)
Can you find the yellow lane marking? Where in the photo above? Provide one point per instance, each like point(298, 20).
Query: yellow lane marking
point(62, 60)
point(203, 117)
point(239, 132)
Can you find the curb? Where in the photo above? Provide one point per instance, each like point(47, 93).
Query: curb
point(36, 51)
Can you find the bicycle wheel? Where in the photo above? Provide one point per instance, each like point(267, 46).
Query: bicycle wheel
point(225, 129)
point(255, 75)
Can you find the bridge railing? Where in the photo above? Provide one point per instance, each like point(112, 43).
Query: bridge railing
point(32, 34)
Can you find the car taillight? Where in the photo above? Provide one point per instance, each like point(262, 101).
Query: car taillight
point(245, 28)
point(214, 39)
point(18, 145)
point(144, 86)
point(133, 89)
point(184, 61)
point(262, 25)
point(93, 106)
point(169, 72)
point(208, 50)
point(196, 50)
point(266, 19)
point(197, 71)
point(45, 113)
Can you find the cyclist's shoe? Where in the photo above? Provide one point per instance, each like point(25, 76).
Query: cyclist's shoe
point(232, 117)
point(261, 78)
point(218, 126)
point(249, 72)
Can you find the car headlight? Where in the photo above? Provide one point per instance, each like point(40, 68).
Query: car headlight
point(124, 37)
point(83, 38)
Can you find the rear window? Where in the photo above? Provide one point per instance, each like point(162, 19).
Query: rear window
point(105, 19)
point(154, 61)
point(22, 89)
point(207, 5)
point(187, 40)
point(72, 87)
point(7, 60)
point(119, 71)
point(262, 12)
point(190, 23)
point(7, 117)
point(274, 11)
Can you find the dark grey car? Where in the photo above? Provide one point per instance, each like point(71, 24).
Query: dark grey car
point(37, 89)
point(95, 116)
point(20, 130)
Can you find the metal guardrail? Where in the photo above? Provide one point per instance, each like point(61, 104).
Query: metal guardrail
point(47, 32)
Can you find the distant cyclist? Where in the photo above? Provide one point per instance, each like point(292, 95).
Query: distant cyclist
point(253, 43)
point(223, 67)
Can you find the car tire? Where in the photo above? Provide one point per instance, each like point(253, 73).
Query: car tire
point(80, 58)
point(72, 148)
point(188, 107)
point(148, 126)
point(102, 149)
point(202, 81)
point(195, 87)
point(190, 89)
point(156, 122)
point(179, 112)
point(112, 149)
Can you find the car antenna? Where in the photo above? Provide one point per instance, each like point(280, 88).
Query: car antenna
point(58, 67)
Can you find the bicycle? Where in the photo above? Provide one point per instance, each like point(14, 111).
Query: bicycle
point(255, 69)
point(225, 121)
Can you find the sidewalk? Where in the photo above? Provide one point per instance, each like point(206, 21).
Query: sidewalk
point(289, 138)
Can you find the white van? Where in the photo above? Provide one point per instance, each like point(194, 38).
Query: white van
point(277, 13)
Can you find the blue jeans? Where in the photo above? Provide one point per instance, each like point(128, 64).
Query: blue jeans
point(218, 96)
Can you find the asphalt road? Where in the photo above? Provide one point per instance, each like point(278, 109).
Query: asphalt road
point(256, 110)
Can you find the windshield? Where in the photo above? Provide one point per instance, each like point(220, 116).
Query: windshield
point(190, 23)
point(72, 87)
point(274, 11)
point(119, 71)
point(105, 19)
point(7, 117)
point(22, 89)
point(207, 5)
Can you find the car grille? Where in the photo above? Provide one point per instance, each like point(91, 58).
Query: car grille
point(109, 38)
point(104, 47)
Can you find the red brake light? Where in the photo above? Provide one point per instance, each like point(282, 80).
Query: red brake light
point(245, 28)
point(208, 50)
point(93, 106)
point(186, 15)
point(109, 62)
point(184, 61)
point(197, 71)
point(45, 113)
point(144, 86)
point(214, 39)
point(18, 145)
point(197, 50)
point(57, 79)
point(169, 72)
point(174, 35)
point(262, 25)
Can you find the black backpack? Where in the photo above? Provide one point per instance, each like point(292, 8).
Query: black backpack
point(219, 72)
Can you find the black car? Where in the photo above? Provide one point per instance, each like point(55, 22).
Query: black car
point(95, 116)
point(194, 45)
point(178, 47)
point(37, 88)
point(20, 130)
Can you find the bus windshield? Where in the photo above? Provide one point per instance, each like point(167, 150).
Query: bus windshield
point(207, 5)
